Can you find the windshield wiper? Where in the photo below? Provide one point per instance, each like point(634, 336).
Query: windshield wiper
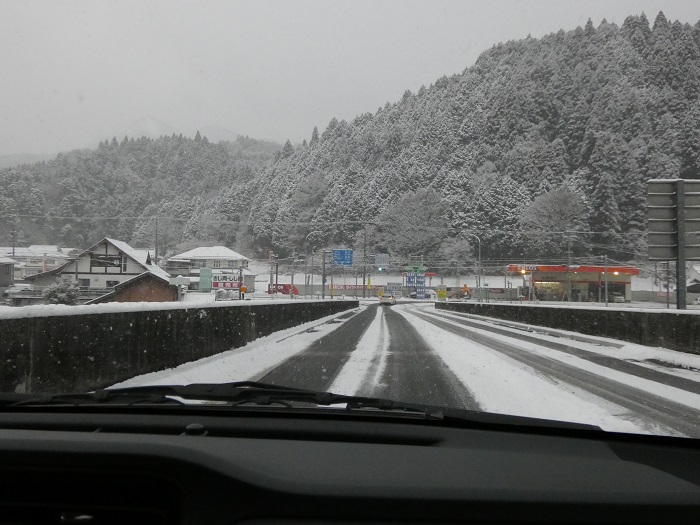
point(238, 393)
point(243, 393)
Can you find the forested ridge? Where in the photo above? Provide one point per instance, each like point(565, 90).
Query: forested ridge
point(543, 145)
point(539, 137)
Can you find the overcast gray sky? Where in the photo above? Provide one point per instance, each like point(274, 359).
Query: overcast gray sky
point(75, 72)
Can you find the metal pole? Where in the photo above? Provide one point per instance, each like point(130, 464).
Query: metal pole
point(478, 270)
point(606, 280)
point(668, 284)
point(312, 275)
point(568, 270)
point(364, 263)
point(323, 276)
point(156, 250)
point(291, 288)
point(680, 243)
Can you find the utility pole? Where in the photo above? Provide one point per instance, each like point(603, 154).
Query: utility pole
point(323, 276)
point(568, 270)
point(364, 263)
point(156, 254)
point(606, 280)
point(14, 235)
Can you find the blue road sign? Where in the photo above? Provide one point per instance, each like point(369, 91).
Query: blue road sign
point(342, 257)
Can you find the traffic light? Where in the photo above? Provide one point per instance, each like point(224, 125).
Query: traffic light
point(380, 269)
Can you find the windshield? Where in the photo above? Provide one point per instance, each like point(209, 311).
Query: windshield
point(484, 206)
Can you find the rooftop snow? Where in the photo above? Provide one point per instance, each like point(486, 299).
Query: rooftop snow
point(211, 252)
point(139, 257)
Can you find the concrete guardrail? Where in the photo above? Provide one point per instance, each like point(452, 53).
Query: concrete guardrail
point(80, 352)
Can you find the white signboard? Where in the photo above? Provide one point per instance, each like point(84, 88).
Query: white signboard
point(393, 287)
point(225, 281)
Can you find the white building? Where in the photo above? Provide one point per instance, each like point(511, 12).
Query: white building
point(217, 257)
point(220, 259)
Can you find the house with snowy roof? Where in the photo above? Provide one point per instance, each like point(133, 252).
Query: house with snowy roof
point(223, 261)
point(102, 267)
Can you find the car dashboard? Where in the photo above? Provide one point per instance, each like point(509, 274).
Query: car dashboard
point(284, 467)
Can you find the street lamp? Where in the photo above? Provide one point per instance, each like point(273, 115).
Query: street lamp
point(479, 269)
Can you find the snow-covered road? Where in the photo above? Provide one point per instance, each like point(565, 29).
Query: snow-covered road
point(412, 352)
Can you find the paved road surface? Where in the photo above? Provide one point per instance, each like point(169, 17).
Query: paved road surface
point(404, 367)
point(412, 371)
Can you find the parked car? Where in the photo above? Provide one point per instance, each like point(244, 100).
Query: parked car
point(387, 299)
point(16, 288)
point(617, 297)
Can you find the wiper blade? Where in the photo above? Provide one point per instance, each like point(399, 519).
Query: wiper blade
point(242, 393)
point(238, 393)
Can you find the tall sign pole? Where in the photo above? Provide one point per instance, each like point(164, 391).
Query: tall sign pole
point(680, 243)
point(673, 211)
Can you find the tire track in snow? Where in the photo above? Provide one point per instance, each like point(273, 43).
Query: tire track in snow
point(363, 369)
point(316, 367)
point(415, 373)
point(612, 362)
point(666, 412)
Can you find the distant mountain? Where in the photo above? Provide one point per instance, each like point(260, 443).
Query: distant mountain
point(185, 189)
point(149, 127)
point(14, 159)
point(153, 128)
point(540, 149)
point(218, 133)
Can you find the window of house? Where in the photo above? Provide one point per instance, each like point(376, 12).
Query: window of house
point(84, 283)
point(106, 261)
point(217, 264)
point(112, 284)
